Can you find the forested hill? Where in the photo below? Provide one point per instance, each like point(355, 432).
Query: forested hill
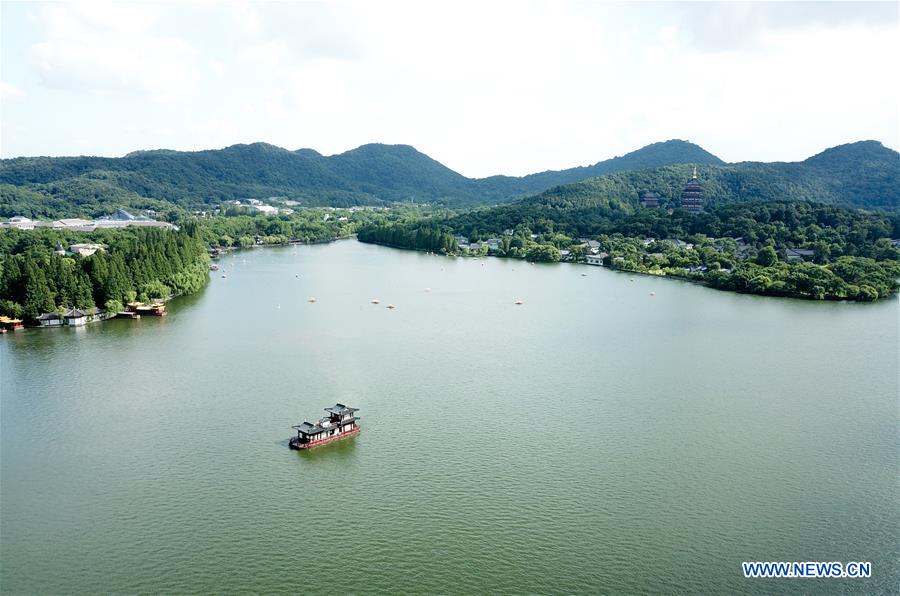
point(651, 156)
point(864, 174)
point(371, 174)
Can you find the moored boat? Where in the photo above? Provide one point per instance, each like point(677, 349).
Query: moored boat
point(340, 423)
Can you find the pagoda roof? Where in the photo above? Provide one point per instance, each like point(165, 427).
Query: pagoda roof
point(341, 409)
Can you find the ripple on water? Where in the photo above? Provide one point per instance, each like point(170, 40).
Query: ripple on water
point(584, 443)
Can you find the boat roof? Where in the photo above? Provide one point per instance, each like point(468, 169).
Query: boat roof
point(341, 409)
point(308, 428)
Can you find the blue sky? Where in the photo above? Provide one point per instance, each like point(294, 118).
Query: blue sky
point(485, 88)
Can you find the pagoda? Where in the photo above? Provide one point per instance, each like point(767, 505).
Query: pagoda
point(650, 199)
point(692, 195)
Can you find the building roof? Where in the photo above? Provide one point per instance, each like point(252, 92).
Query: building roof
point(75, 312)
point(75, 221)
point(49, 316)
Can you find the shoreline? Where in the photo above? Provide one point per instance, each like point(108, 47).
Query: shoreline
point(699, 282)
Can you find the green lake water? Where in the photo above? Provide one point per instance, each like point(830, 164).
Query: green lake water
point(596, 438)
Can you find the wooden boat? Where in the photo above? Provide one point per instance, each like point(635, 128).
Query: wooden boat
point(157, 309)
point(340, 423)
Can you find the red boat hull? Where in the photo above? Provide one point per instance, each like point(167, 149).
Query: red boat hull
point(296, 445)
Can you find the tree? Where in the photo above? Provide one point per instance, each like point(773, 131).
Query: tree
point(546, 253)
point(38, 297)
point(767, 256)
point(113, 306)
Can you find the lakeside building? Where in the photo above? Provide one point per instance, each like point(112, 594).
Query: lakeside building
point(692, 195)
point(590, 247)
point(75, 317)
point(50, 319)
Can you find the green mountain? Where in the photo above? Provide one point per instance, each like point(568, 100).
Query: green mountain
point(370, 174)
point(864, 174)
point(651, 156)
point(860, 174)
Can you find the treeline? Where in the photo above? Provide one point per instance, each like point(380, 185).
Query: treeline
point(413, 236)
point(847, 278)
point(741, 247)
point(305, 225)
point(136, 263)
point(722, 264)
point(833, 231)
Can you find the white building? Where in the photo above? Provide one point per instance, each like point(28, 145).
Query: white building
point(21, 222)
point(266, 209)
point(85, 250)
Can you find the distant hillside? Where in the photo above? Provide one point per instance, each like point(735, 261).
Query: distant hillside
point(371, 174)
point(651, 156)
point(861, 174)
point(864, 174)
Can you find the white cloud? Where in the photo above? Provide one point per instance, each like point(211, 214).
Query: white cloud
point(111, 49)
point(486, 88)
point(10, 91)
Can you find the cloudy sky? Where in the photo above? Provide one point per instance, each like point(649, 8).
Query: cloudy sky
point(483, 87)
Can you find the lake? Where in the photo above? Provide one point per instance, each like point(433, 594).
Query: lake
point(596, 438)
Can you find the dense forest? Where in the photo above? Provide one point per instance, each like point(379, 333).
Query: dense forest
point(740, 246)
point(861, 174)
point(135, 263)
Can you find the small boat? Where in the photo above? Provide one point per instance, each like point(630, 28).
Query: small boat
point(311, 300)
point(391, 306)
point(375, 300)
point(653, 293)
point(296, 275)
point(213, 267)
point(224, 276)
point(340, 423)
point(519, 302)
point(584, 275)
point(427, 289)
